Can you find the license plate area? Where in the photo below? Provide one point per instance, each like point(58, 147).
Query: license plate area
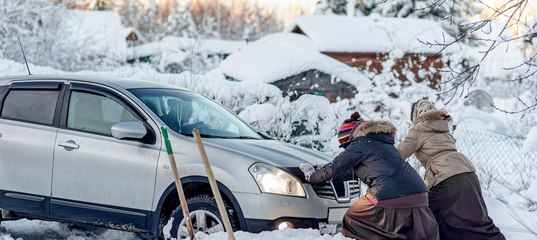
point(335, 215)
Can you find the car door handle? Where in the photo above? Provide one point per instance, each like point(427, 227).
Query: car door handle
point(69, 145)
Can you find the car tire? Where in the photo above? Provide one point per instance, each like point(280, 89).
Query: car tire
point(204, 215)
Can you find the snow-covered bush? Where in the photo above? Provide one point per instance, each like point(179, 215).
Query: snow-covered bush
point(46, 32)
point(310, 121)
point(531, 140)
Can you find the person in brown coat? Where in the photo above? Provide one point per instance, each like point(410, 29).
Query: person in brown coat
point(395, 205)
point(455, 196)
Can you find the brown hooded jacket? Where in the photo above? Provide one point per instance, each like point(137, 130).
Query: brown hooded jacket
point(435, 148)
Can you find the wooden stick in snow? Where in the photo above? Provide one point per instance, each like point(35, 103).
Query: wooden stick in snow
point(178, 185)
point(214, 186)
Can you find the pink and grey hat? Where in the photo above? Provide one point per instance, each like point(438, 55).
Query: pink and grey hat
point(346, 129)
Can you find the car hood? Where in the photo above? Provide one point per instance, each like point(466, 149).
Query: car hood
point(273, 152)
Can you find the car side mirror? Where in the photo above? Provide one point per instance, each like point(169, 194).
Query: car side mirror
point(128, 130)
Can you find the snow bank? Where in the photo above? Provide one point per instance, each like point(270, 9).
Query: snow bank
point(286, 234)
point(530, 144)
point(370, 34)
point(36, 229)
point(270, 61)
point(513, 222)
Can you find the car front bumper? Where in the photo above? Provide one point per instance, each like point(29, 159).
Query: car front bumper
point(265, 212)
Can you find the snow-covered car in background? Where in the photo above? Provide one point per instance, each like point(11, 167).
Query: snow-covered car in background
point(89, 150)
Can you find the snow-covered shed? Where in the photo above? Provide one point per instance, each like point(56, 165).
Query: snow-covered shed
point(133, 37)
point(366, 42)
point(103, 33)
point(290, 62)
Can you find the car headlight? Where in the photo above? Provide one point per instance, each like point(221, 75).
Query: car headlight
point(274, 180)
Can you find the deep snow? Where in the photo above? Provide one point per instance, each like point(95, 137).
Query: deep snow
point(504, 217)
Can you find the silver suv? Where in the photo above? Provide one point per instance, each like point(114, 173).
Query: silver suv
point(89, 150)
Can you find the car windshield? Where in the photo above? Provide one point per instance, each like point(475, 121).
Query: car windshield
point(183, 111)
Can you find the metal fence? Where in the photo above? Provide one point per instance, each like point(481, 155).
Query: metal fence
point(499, 159)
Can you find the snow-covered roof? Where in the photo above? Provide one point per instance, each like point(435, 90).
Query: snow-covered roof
point(290, 38)
point(331, 33)
point(101, 31)
point(174, 44)
point(270, 61)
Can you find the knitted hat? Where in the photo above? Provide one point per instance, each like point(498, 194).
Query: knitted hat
point(345, 130)
point(420, 107)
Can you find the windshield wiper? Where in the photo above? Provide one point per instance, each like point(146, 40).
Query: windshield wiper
point(216, 136)
point(246, 137)
point(202, 135)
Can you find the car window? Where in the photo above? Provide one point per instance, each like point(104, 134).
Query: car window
point(184, 111)
point(96, 113)
point(36, 106)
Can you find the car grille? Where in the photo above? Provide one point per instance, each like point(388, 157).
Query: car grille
point(338, 190)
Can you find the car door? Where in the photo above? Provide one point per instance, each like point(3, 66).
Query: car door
point(96, 176)
point(28, 125)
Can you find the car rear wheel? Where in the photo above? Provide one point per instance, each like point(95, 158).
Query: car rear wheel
point(204, 216)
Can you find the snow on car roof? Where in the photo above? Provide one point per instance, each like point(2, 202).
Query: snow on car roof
point(375, 34)
point(270, 61)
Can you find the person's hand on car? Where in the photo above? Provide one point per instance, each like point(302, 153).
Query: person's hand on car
point(307, 169)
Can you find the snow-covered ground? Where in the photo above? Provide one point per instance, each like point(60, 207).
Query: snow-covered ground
point(505, 217)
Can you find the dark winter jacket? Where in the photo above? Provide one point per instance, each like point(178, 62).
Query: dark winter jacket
point(374, 159)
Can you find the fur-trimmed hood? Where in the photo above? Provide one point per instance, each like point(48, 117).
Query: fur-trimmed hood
point(435, 120)
point(437, 114)
point(374, 126)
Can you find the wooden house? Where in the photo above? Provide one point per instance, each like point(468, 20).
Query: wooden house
point(368, 42)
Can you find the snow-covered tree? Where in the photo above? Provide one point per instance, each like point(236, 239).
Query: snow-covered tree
point(46, 35)
point(209, 27)
point(179, 23)
point(530, 41)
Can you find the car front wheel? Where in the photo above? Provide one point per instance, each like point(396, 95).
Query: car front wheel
point(204, 216)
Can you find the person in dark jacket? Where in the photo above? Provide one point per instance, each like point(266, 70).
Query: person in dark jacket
point(455, 193)
point(396, 203)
